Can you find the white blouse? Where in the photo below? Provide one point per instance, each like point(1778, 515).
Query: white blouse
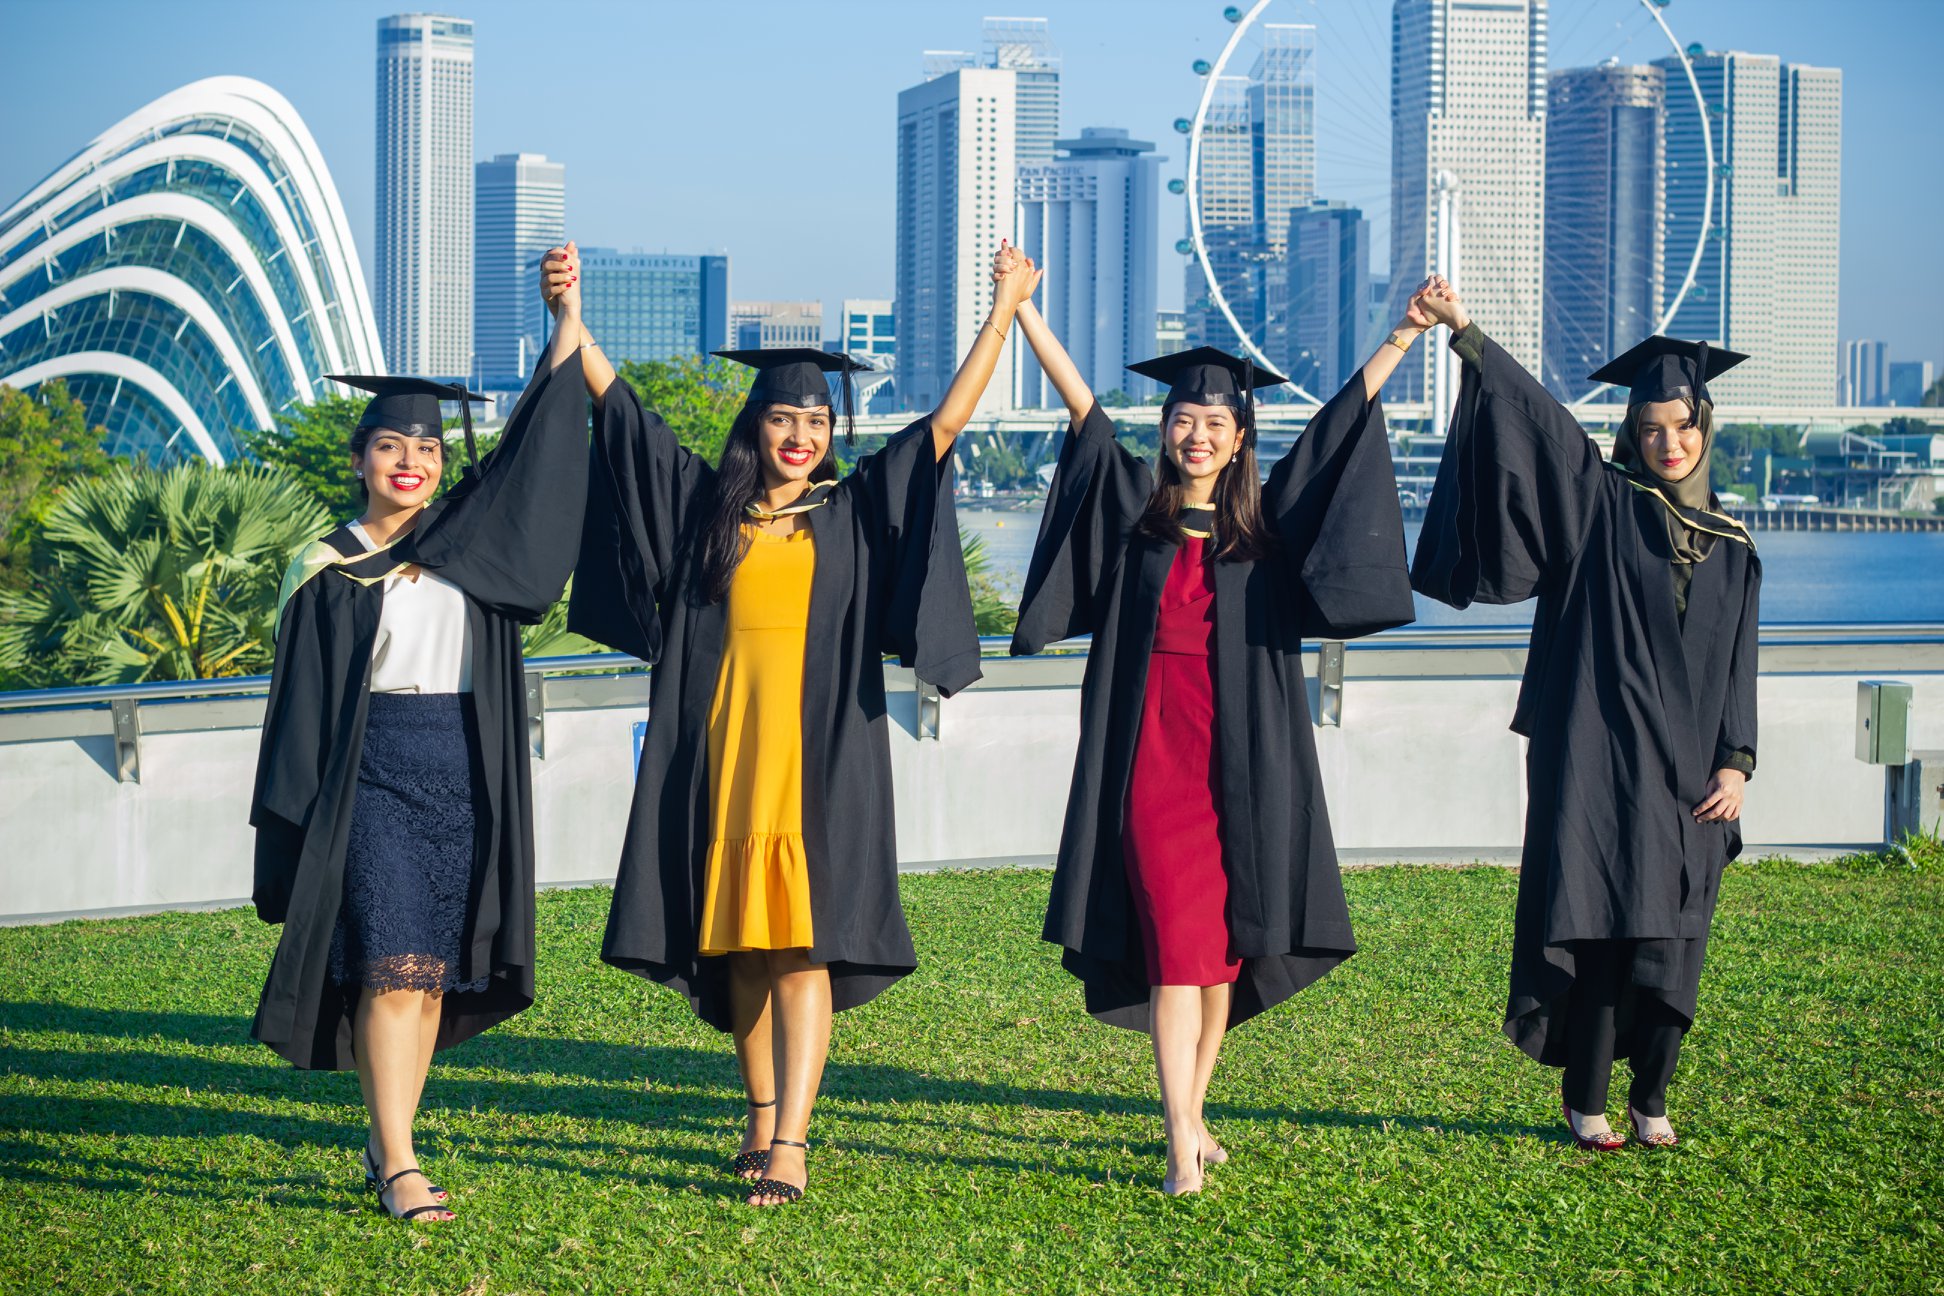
point(424, 640)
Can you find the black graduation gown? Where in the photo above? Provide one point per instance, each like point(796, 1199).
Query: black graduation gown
point(1338, 572)
point(506, 535)
point(1628, 706)
point(890, 580)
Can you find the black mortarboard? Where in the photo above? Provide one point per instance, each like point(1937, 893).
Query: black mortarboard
point(410, 406)
point(1206, 376)
point(793, 375)
point(1665, 368)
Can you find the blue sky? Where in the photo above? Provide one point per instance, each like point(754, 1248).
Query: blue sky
point(764, 127)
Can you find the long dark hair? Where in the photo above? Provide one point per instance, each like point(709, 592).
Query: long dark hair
point(723, 540)
point(1240, 533)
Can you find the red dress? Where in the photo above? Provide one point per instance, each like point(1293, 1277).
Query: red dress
point(1172, 838)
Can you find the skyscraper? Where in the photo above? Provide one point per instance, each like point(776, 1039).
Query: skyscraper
point(1866, 373)
point(520, 204)
point(1468, 123)
point(957, 187)
point(1605, 147)
point(1327, 263)
point(1258, 164)
point(1772, 245)
point(1091, 218)
point(425, 194)
point(1225, 193)
point(1282, 128)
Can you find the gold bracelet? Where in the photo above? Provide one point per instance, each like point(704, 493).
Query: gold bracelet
point(996, 329)
point(1405, 347)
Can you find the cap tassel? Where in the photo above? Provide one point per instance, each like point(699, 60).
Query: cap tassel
point(850, 409)
point(465, 420)
point(1248, 399)
point(1701, 372)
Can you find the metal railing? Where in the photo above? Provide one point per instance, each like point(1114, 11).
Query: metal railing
point(586, 679)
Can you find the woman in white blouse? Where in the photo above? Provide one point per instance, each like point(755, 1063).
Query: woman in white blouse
point(393, 804)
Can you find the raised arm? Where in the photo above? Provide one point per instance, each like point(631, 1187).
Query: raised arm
point(1517, 482)
point(1391, 351)
point(969, 383)
point(560, 289)
point(1438, 299)
point(1052, 357)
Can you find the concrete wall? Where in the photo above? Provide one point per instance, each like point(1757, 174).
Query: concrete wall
point(1422, 767)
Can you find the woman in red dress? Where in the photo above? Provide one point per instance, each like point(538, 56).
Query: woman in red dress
point(1197, 882)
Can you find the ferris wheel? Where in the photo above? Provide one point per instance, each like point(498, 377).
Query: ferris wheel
point(1244, 24)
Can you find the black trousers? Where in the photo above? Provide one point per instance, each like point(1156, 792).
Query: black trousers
point(1602, 996)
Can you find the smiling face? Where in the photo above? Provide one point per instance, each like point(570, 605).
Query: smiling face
point(1669, 438)
point(1200, 440)
point(792, 440)
point(400, 472)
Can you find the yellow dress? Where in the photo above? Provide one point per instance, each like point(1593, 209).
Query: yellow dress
point(756, 891)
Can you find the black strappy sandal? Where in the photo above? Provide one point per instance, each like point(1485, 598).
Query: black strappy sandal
point(789, 1192)
point(416, 1211)
point(371, 1177)
point(744, 1162)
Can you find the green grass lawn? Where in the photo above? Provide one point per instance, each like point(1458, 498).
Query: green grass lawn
point(978, 1132)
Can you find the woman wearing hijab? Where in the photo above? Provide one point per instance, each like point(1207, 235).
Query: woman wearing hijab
point(759, 874)
point(1638, 698)
point(393, 807)
point(1197, 881)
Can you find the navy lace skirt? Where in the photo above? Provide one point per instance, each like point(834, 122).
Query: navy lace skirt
point(408, 867)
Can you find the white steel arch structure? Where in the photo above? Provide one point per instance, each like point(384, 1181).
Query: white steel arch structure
point(1243, 20)
point(202, 239)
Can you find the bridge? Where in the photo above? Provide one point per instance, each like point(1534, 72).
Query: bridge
point(1855, 475)
point(1285, 420)
point(133, 799)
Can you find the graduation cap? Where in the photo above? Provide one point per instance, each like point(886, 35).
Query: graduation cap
point(1665, 368)
point(794, 375)
point(410, 406)
point(1207, 376)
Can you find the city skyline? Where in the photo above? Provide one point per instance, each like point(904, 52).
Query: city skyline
point(1129, 73)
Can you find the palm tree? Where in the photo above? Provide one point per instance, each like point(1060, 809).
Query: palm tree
point(147, 575)
point(992, 611)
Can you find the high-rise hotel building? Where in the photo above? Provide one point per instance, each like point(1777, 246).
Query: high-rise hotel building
point(957, 197)
point(1468, 133)
point(424, 228)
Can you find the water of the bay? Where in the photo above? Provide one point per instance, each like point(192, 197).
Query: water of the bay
point(1807, 576)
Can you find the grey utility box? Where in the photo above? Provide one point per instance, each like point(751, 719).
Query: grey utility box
point(1883, 722)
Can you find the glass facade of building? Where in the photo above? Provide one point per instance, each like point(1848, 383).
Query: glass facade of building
point(189, 274)
point(642, 306)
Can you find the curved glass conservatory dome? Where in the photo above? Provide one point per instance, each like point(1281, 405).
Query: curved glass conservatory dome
point(190, 273)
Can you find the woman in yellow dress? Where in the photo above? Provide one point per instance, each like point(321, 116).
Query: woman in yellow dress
point(759, 874)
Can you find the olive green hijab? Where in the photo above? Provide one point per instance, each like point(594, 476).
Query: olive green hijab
point(1693, 520)
point(1669, 369)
